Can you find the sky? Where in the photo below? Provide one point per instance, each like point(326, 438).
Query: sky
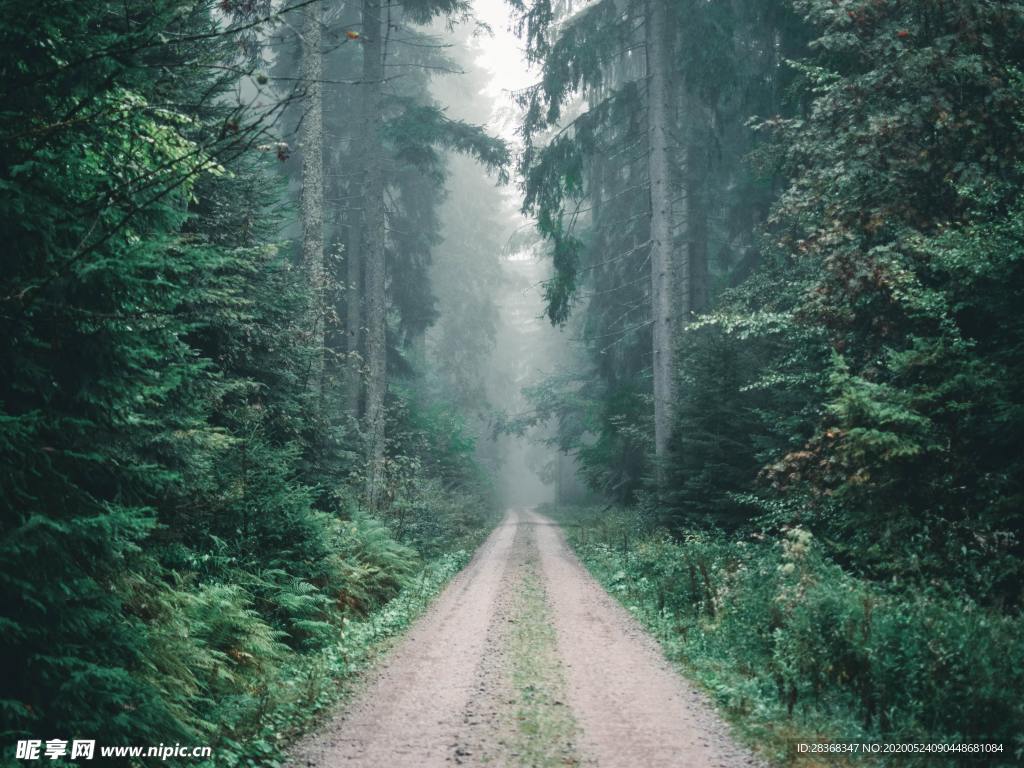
point(502, 55)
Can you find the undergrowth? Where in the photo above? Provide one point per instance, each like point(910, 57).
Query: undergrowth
point(301, 691)
point(794, 649)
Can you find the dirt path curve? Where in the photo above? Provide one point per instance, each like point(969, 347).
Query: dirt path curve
point(524, 660)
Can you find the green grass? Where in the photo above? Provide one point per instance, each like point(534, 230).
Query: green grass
point(545, 729)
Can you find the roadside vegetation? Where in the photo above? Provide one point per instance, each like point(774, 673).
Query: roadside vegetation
point(788, 236)
point(305, 688)
point(793, 648)
point(202, 529)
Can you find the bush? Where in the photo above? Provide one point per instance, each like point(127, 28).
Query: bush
point(792, 645)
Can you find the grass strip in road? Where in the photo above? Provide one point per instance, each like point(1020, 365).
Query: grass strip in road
point(545, 730)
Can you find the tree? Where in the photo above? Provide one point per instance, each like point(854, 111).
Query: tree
point(312, 140)
point(636, 165)
point(177, 531)
point(373, 207)
point(664, 272)
point(909, 152)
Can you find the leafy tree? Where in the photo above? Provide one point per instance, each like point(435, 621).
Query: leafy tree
point(180, 523)
point(903, 172)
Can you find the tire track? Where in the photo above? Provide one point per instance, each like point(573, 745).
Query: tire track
point(633, 708)
point(524, 660)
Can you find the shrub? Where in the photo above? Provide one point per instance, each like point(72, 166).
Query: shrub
point(789, 642)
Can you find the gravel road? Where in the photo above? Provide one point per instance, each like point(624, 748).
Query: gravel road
point(524, 660)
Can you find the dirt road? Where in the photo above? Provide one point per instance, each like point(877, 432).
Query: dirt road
point(524, 661)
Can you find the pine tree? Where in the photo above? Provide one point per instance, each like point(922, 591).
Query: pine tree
point(312, 141)
point(635, 165)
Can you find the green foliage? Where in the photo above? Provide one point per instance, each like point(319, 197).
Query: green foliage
point(715, 455)
point(180, 541)
point(748, 389)
point(298, 692)
point(421, 130)
point(439, 497)
point(794, 647)
point(102, 396)
point(879, 414)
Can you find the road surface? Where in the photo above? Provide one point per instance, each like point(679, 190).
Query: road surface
point(524, 660)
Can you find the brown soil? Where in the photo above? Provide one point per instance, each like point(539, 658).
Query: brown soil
point(525, 660)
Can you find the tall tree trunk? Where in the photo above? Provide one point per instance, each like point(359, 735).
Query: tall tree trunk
point(312, 195)
point(374, 255)
point(354, 279)
point(662, 282)
point(697, 224)
point(354, 315)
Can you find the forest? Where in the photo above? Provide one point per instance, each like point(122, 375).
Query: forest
point(456, 335)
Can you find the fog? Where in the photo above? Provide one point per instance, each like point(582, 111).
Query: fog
point(476, 331)
point(506, 258)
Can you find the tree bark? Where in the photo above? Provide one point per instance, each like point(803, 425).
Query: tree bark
point(353, 315)
point(354, 284)
point(697, 225)
point(312, 194)
point(662, 277)
point(374, 255)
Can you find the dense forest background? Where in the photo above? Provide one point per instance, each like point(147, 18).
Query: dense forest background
point(255, 267)
point(789, 236)
point(214, 502)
